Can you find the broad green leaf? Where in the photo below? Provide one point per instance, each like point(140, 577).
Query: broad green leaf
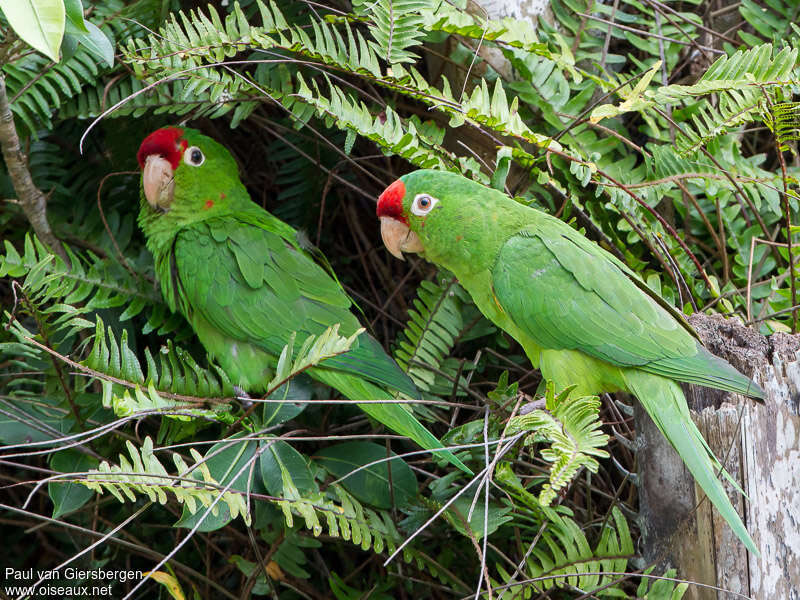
point(397, 418)
point(30, 422)
point(297, 388)
point(374, 484)
point(262, 587)
point(458, 512)
point(68, 496)
point(88, 35)
point(40, 23)
point(281, 455)
point(96, 42)
point(69, 45)
point(74, 10)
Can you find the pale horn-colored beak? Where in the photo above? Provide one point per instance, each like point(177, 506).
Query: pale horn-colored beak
point(158, 182)
point(398, 238)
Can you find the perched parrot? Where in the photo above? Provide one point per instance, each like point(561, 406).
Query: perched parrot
point(580, 314)
point(245, 284)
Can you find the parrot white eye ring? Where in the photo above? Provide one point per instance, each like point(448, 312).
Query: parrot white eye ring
point(193, 156)
point(423, 204)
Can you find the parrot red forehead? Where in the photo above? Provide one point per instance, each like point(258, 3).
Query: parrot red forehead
point(390, 202)
point(165, 142)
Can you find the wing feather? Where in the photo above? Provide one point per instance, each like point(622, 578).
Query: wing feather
point(253, 285)
point(567, 293)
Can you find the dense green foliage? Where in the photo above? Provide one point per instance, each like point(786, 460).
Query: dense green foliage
point(663, 131)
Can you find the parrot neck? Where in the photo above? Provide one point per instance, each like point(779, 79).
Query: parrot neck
point(474, 238)
point(159, 235)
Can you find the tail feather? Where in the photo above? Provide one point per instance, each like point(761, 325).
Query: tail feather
point(665, 403)
point(368, 360)
point(707, 370)
point(395, 416)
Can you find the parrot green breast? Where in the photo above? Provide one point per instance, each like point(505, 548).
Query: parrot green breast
point(245, 290)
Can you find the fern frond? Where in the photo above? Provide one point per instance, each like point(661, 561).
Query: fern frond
point(738, 80)
point(565, 550)
point(659, 588)
point(90, 281)
point(772, 20)
point(564, 554)
point(315, 349)
point(188, 47)
point(517, 33)
point(388, 130)
point(40, 89)
point(144, 474)
point(335, 509)
point(37, 87)
point(395, 25)
point(175, 370)
point(433, 326)
point(744, 69)
point(572, 427)
point(783, 120)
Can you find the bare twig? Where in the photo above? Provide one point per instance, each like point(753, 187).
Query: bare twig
point(31, 198)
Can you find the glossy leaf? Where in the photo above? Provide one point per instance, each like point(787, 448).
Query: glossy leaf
point(374, 484)
point(40, 23)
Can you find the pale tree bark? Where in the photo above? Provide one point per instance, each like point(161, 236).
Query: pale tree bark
point(31, 198)
point(760, 447)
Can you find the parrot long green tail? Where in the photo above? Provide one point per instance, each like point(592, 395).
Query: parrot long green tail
point(395, 416)
point(664, 401)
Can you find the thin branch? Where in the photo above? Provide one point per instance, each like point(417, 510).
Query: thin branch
point(31, 198)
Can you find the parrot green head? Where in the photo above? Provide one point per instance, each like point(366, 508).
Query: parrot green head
point(186, 177)
point(449, 219)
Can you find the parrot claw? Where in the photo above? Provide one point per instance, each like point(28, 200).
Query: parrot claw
point(539, 404)
point(625, 409)
point(630, 475)
point(632, 445)
point(247, 401)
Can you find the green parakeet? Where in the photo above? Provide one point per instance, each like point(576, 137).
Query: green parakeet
point(580, 314)
point(245, 284)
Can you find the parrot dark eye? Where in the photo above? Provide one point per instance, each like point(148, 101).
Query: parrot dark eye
point(193, 156)
point(423, 204)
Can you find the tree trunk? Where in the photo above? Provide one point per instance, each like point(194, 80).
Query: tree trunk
point(759, 446)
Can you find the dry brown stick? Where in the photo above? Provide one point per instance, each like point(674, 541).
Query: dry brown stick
point(31, 198)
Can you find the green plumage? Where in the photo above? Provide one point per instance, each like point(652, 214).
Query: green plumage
point(245, 284)
point(581, 315)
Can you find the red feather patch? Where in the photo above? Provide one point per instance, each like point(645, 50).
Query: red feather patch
point(390, 202)
point(165, 142)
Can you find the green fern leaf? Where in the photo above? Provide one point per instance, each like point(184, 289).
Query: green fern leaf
point(572, 427)
point(144, 474)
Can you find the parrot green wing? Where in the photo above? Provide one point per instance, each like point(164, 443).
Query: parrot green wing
point(251, 284)
point(565, 293)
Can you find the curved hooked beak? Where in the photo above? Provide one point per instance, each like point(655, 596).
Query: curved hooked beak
point(398, 238)
point(158, 182)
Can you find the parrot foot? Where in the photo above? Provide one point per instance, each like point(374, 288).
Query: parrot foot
point(630, 475)
point(539, 404)
point(633, 445)
point(625, 409)
point(247, 401)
